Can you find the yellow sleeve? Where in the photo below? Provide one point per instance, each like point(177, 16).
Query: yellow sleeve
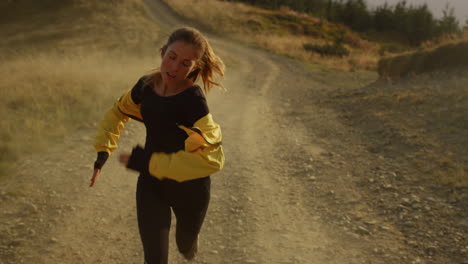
point(203, 154)
point(110, 127)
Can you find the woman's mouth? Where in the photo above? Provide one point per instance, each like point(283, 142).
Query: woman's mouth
point(170, 76)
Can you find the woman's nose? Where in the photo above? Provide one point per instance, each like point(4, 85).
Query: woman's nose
point(175, 67)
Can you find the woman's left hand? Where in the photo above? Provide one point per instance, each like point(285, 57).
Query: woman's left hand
point(124, 158)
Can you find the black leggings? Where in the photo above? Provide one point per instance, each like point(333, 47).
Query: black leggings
point(155, 198)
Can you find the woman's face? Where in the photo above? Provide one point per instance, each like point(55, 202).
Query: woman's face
point(178, 62)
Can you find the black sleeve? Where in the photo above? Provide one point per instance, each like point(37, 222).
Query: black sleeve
point(139, 160)
point(139, 88)
point(101, 159)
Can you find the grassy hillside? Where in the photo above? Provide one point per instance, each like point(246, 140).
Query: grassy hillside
point(63, 63)
point(444, 57)
point(284, 32)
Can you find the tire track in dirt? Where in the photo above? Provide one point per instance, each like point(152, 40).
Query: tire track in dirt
point(276, 230)
point(254, 218)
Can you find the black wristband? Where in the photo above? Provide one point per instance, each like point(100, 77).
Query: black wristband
point(101, 160)
point(138, 160)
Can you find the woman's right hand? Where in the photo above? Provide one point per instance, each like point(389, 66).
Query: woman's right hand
point(95, 176)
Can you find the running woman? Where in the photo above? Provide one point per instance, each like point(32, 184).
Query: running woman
point(183, 143)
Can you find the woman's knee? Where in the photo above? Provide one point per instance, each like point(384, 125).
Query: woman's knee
point(187, 243)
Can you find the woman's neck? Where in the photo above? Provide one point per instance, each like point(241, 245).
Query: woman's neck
point(164, 89)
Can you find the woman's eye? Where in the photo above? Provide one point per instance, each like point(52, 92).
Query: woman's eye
point(186, 64)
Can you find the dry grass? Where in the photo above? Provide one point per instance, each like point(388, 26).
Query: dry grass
point(444, 57)
point(294, 47)
point(447, 39)
point(224, 16)
point(75, 26)
point(263, 28)
point(62, 71)
point(439, 54)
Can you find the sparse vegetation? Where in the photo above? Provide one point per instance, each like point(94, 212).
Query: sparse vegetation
point(282, 31)
point(414, 24)
point(444, 57)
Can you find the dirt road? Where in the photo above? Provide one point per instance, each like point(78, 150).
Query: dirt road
point(298, 186)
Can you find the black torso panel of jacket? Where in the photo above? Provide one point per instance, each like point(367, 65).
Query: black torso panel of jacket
point(162, 115)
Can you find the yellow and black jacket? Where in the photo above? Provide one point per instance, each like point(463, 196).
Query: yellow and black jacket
point(182, 140)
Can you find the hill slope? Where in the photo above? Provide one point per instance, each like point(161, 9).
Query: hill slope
point(442, 58)
point(57, 58)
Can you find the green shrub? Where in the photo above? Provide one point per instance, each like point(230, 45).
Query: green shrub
point(391, 48)
point(281, 18)
point(327, 50)
point(313, 30)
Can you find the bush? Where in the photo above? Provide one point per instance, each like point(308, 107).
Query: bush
point(391, 48)
point(327, 50)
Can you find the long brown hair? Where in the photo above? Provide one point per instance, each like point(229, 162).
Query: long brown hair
point(208, 62)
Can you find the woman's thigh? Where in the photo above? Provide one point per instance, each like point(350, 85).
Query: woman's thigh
point(190, 203)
